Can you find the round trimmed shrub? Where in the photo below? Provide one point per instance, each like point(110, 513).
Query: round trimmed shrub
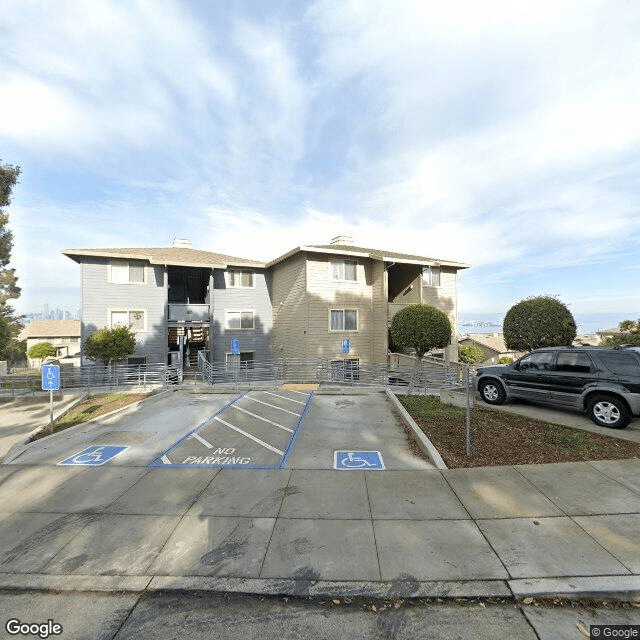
point(538, 322)
point(421, 327)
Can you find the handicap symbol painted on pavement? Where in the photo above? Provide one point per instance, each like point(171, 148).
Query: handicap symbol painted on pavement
point(367, 460)
point(94, 456)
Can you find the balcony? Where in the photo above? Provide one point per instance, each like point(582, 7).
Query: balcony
point(188, 312)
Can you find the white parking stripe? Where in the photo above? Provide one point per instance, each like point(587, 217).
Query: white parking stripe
point(293, 413)
point(275, 424)
point(199, 438)
point(283, 397)
point(302, 393)
point(165, 460)
point(244, 433)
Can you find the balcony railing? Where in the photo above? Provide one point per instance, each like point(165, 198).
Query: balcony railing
point(188, 312)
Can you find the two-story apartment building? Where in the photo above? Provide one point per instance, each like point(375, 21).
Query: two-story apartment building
point(305, 303)
point(178, 300)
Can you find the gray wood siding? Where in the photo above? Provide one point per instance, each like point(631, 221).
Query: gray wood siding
point(290, 308)
point(99, 297)
point(445, 296)
point(256, 299)
point(379, 342)
point(325, 294)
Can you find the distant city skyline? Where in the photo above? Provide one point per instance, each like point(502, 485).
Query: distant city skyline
point(49, 312)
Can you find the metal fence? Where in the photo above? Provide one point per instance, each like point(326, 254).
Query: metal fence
point(96, 376)
point(413, 376)
point(404, 374)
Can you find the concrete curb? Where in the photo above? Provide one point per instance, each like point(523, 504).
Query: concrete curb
point(625, 588)
point(46, 582)
point(423, 442)
point(280, 586)
point(622, 588)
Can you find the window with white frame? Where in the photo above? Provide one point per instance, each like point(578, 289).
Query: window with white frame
point(240, 320)
point(343, 320)
point(240, 278)
point(126, 271)
point(344, 270)
point(431, 276)
point(135, 319)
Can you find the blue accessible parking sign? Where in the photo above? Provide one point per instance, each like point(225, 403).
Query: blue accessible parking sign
point(94, 456)
point(367, 460)
point(50, 377)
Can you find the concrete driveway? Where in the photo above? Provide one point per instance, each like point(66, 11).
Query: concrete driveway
point(255, 429)
point(305, 527)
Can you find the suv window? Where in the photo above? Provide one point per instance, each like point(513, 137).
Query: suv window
point(541, 360)
point(620, 362)
point(574, 361)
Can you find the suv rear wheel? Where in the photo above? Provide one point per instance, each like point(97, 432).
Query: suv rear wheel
point(608, 411)
point(492, 392)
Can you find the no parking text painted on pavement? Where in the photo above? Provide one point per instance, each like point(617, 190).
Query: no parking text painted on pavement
point(256, 430)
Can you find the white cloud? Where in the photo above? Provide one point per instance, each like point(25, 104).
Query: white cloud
point(88, 76)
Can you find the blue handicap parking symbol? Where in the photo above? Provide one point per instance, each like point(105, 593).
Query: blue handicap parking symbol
point(367, 460)
point(94, 455)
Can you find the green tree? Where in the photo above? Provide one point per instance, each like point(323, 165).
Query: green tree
point(537, 322)
point(470, 354)
point(629, 334)
point(421, 327)
point(41, 350)
point(9, 322)
point(8, 281)
point(110, 344)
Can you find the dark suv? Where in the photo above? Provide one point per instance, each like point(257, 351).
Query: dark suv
point(604, 382)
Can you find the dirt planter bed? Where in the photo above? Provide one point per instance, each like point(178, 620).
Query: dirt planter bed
point(501, 438)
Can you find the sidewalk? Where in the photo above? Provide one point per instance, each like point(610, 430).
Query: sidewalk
point(544, 530)
point(20, 416)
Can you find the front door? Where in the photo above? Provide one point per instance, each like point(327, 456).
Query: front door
point(529, 379)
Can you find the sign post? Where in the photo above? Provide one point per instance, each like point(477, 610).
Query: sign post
point(50, 383)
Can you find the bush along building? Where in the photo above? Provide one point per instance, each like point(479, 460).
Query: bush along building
point(304, 304)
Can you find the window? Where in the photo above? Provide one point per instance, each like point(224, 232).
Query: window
point(540, 360)
point(620, 363)
point(240, 320)
point(126, 271)
point(344, 270)
point(136, 360)
point(134, 319)
point(431, 277)
point(343, 320)
point(240, 278)
point(573, 361)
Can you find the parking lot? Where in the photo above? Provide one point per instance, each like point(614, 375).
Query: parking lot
point(252, 430)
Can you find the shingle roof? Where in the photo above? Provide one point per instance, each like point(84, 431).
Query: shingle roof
point(182, 256)
point(375, 254)
point(495, 342)
point(179, 256)
point(51, 329)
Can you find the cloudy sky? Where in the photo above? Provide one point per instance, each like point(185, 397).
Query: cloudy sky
point(502, 133)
